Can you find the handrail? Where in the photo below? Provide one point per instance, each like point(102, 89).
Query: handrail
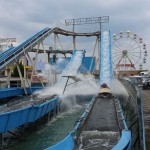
point(66, 144)
point(12, 54)
point(6, 51)
point(84, 115)
point(15, 52)
point(143, 128)
point(23, 44)
point(135, 101)
point(124, 142)
point(122, 115)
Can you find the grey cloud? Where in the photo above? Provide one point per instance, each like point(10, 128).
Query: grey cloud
point(21, 18)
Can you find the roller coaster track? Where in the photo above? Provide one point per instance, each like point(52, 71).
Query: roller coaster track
point(11, 55)
point(69, 33)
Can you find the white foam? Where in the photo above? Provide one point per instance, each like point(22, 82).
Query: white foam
point(105, 72)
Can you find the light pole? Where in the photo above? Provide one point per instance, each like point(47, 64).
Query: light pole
point(92, 20)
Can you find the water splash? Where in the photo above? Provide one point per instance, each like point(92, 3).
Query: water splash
point(51, 71)
point(98, 140)
point(105, 59)
point(87, 85)
point(119, 90)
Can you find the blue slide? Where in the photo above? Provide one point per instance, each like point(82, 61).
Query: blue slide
point(12, 54)
point(105, 58)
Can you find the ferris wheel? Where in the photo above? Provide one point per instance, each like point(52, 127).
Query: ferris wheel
point(128, 51)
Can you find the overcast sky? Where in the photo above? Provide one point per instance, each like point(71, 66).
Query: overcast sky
point(22, 18)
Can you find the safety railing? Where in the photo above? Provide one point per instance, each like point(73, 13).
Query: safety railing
point(134, 114)
point(6, 52)
point(22, 45)
point(125, 140)
point(31, 42)
point(11, 92)
point(65, 144)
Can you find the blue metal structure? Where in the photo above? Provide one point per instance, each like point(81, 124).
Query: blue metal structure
point(14, 119)
point(13, 54)
point(134, 109)
point(69, 144)
point(34, 112)
point(105, 58)
point(65, 144)
point(106, 76)
point(5, 52)
point(125, 140)
point(11, 92)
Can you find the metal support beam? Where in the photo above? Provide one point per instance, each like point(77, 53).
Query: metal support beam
point(93, 53)
point(92, 20)
point(1, 140)
point(95, 64)
point(99, 50)
point(25, 76)
point(48, 59)
point(74, 42)
point(44, 52)
point(22, 81)
point(12, 133)
point(34, 63)
point(59, 42)
point(24, 64)
point(54, 41)
point(65, 85)
point(8, 77)
point(27, 55)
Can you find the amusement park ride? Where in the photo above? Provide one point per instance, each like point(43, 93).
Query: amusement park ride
point(120, 114)
point(128, 51)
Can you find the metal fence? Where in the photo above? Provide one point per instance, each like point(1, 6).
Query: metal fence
point(133, 112)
